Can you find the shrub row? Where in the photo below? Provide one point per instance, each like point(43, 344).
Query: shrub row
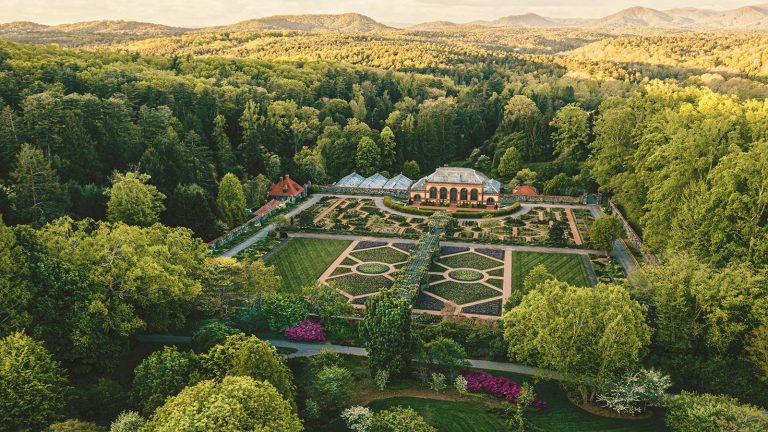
point(460, 214)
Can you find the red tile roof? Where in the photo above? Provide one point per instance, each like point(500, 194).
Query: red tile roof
point(525, 190)
point(285, 187)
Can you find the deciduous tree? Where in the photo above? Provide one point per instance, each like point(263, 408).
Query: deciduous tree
point(133, 201)
point(234, 404)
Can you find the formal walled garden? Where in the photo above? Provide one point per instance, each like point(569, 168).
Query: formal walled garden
point(356, 216)
point(469, 280)
point(531, 228)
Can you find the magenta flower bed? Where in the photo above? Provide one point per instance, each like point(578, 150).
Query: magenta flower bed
point(505, 388)
point(309, 331)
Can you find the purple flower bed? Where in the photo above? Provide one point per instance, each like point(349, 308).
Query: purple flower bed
point(361, 300)
point(493, 253)
point(368, 244)
point(448, 250)
point(406, 247)
point(501, 387)
point(428, 302)
point(309, 331)
point(488, 308)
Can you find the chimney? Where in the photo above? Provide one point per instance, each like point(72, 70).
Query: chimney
point(285, 183)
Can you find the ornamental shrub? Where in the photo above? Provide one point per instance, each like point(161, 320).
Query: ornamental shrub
point(357, 418)
point(307, 330)
point(332, 388)
point(501, 387)
point(211, 334)
point(283, 311)
point(691, 412)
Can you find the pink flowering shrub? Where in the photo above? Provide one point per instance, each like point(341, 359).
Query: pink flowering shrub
point(306, 331)
point(501, 387)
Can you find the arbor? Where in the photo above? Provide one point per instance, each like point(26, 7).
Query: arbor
point(690, 412)
point(386, 333)
point(571, 132)
point(164, 373)
point(589, 335)
point(231, 201)
point(605, 231)
point(367, 157)
point(509, 163)
point(133, 201)
point(33, 387)
point(234, 404)
point(39, 197)
point(411, 170)
point(241, 355)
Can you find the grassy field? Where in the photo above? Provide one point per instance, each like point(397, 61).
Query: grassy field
point(565, 267)
point(562, 416)
point(446, 416)
point(301, 261)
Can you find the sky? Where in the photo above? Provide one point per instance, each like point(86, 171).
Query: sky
point(200, 13)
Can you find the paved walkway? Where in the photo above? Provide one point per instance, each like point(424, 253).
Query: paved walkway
point(621, 254)
point(305, 349)
point(262, 233)
point(541, 249)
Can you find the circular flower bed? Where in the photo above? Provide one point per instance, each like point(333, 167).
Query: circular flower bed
point(373, 268)
point(466, 275)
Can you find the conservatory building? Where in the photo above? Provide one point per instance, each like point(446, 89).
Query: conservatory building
point(456, 186)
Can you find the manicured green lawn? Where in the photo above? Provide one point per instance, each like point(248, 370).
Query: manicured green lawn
point(562, 416)
point(301, 261)
point(565, 267)
point(446, 416)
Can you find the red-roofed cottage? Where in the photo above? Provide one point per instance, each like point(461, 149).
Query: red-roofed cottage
point(286, 190)
point(525, 190)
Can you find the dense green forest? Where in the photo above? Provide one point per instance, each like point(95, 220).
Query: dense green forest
point(678, 140)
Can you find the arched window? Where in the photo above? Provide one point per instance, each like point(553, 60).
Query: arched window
point(417, 197)
point(490, 201)
point(463, 195)
point(443, 193)
point(433, 193)
point(473, 195)
point(454, 194)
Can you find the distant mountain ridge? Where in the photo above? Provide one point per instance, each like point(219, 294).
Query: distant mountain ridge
point(349, 22)
point(92, 27)
point(754, 18)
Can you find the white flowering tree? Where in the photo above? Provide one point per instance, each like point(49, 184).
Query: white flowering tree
point(635, 392)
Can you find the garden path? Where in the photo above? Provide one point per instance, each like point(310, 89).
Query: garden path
point(541, 249)
point(621, 253)
point(262, 233)
point(305, 349)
